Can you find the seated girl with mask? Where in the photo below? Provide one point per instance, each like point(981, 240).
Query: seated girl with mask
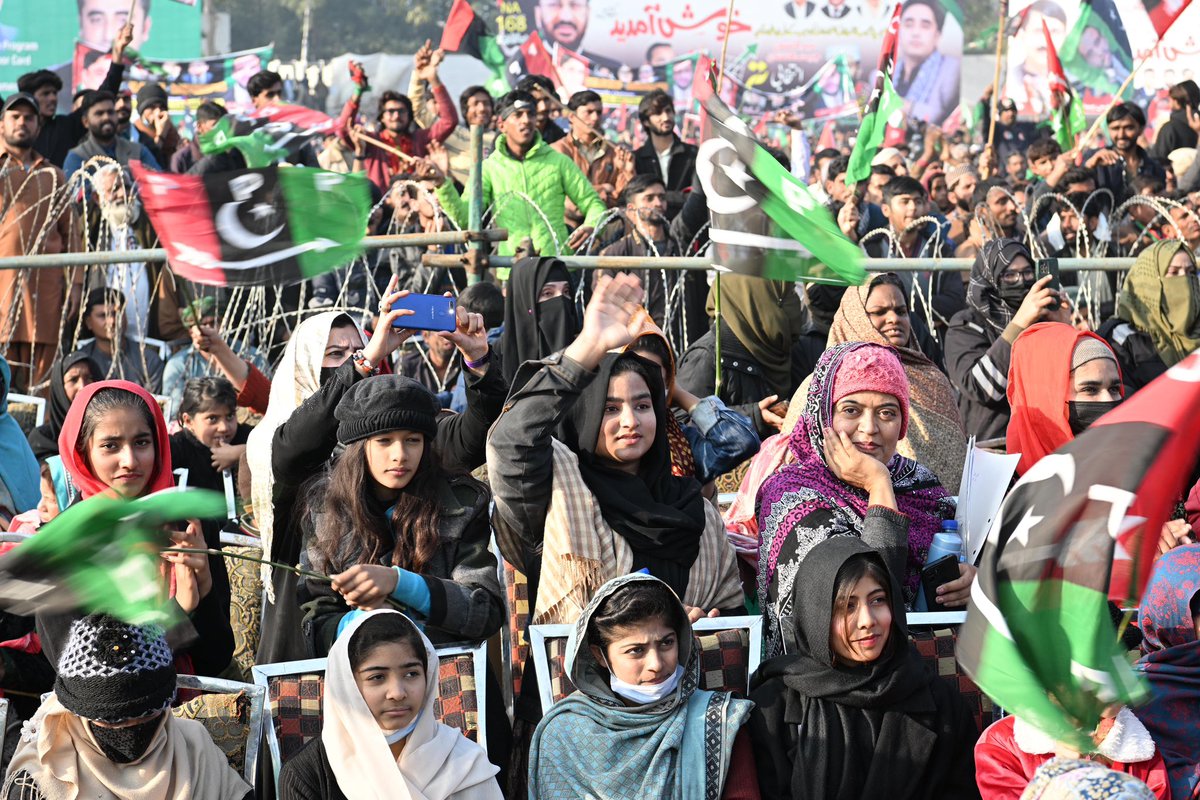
point(380, 737)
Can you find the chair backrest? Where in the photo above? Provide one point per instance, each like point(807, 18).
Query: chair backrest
point(935, 635)
point(232, 713)
point(3, 721)
point(516, 588)
point(730, 649)
point(295, 690)
point(29, 411)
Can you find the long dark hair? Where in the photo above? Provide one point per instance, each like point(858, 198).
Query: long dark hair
point(347, 528)
point(385, 629)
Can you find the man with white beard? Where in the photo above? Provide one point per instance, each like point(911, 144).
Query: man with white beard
point(116, 222)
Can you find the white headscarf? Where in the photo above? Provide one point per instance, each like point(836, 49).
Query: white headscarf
point(297, 378)
point(438, 761)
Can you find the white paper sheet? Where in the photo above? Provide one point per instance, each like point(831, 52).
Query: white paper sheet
point(986, 477)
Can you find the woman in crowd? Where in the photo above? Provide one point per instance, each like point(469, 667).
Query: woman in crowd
point(847, 478)
point(638, 725)
point(389, 522)
point(1003, 299)
point(711, 439)
point(1060, 381)
point(581, 471)
point(1169, 616)
point(761, 321)
point(853, 712)
point(878, 313)
point(114, 441)
point(381, 738)
point(539, 314)
point(19, 477)
point(107, 732)
point(69, 375)
point(1158, 313)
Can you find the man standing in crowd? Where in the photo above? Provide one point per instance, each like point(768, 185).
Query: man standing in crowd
point(153, 126)
point(1117, 167)
point(1177, 132)
point(265, 88)
point(188, 155)
point(542, 89)
point(32, 300)
point(100, 117)
point(664, 154)
point(475, 107)
point(607, 166)
point(60, 132)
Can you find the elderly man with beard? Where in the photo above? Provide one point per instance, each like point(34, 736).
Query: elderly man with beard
point(116, 222)
point(100, 117)
point(28, 187)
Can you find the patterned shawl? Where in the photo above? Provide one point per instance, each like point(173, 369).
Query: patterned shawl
point(1166, 308)
point(592, 745)
point(983, 294)
point(1171, 662)
point(805, 503)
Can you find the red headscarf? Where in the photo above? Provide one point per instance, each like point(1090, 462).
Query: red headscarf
point(1039, 383)
point(76, 462)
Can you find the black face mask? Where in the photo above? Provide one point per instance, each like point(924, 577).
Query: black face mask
point(327, 373)
point(126, 745)
point(1081, 414)
point(557, 323)
point(1014, 295)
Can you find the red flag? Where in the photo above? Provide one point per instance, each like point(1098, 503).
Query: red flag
point(1059, 85)
point(300, 116)
point(537, 58)
point(1164, 12)
point(457, 25)
point(826, 140)
point(887, 51)
point(705, 81)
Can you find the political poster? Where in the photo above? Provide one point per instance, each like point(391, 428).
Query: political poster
point(190, 82)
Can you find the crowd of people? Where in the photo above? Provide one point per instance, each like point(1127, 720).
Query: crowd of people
point(637, 460)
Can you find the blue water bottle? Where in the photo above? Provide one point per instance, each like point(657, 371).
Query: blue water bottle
point(946, 542)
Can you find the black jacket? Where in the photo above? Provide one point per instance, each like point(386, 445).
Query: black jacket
point(1139, 359)
point(63, 131)
point(977, 360)
point(681, 170)
point(1176, 133)
point(743, 382)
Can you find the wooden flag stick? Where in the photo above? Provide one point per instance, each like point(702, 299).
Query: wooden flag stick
point(1000, 35)
point(717, 277)
point(386, 147)
point(1116, 98)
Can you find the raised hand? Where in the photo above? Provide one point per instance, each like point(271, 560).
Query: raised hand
point(387, 336)
point(469, 334)
point(608, 319)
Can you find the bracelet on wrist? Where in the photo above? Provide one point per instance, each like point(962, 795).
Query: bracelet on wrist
point(363, 363)
point(484, 359)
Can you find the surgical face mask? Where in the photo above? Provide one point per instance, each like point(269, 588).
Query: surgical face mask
point(402, 733)
point(1054, 233)
point(645, 694)
point(1081, 413)
point(126, 745)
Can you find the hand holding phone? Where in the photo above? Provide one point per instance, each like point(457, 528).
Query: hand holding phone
point(431, 312)
point(940, 572)
point(1049, 266)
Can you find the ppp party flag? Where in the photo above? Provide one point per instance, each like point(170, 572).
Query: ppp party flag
point(1079, 528)
point(1104, 21)
point(254, 227)
point(466, 33)
point(263, 140)
point(102, 555)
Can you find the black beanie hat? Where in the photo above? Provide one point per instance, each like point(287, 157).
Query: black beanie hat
point(386, 403)
point(113, 672)
point(150, 95)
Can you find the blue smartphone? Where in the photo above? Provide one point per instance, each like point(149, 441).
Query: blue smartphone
point(431, 312)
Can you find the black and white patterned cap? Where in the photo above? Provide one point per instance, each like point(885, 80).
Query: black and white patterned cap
point(113, 672)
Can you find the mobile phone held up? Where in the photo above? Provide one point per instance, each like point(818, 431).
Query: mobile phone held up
point(431, 312)
point(940, 572)
point(1049, 266)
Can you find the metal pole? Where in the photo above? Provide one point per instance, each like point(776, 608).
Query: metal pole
point(158, 254)
point(693, 263)
point(475, 211)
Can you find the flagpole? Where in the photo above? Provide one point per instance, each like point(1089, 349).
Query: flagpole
point(303, 573)
point(717, 278)
point(386, 147)
point(1000, 35)
point(1116, 98)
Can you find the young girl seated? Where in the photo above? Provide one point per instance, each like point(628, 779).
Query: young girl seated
point(380, 737)
point(639, 726)
point(107, 732)
point(211, 439)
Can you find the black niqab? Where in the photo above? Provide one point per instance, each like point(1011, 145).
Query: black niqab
point(534, 330)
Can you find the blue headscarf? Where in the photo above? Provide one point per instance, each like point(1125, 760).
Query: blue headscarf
point(18, 467)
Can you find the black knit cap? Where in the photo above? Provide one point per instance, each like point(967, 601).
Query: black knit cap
point(386, 403)
point(113, 672)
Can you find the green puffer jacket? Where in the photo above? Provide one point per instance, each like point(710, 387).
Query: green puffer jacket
point(547, 177)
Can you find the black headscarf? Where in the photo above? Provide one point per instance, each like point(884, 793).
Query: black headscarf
point(986, 293)
point(44, 438)
point(864, 729)
point(534, 330)
point(659, 515)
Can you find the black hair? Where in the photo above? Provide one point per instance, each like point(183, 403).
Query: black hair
point(532, 84)
point(902, 185)
point(1126, 110)
point(633, 604)
point(638, 184)
point(854, 569)
point(1155, 184)
point(107, 400)
point(837, 166)
point(262, 81)
point(883, 169)
point(1044, 148)
point(984, 188)
point(582, 98)
point(208, 111)
point(629, 362)
point(653, 47)
point(206, 394)
point(81, 93)
point(395, 97)
point(827, 153)
point(1077, 175)
point(145, 4)
point(654, 103)
point(385, 629)
point(486, 299)
point(94, 97)
point(939, 13)
point(647, 343)
point(514, 97)
point(30, 82)
point(888, 279)
point(470, 92)
point(102, 296)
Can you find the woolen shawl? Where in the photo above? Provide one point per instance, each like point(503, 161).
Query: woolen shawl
point(767, 317)
point(18, 467)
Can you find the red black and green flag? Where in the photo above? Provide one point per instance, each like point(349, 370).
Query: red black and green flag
point(1067, 119)
point(1080, 527)
point(883, 103)
point(102, 556)
point(1104, 65)
point(1163, 13)
point(255, 227)
point(263, 140)
point(468, 34)
point(765, 222)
